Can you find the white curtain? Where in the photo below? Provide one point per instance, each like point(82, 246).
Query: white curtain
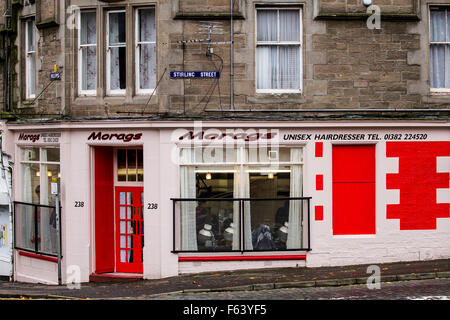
point(247, 213)
point(294, 239)
point(88, 40)
point(289, 57)
point(267, 67)
point(440, 53)
point(236, 211)
point(46, 226)
point(278, 66)
point(147, 51)
point(188, 208)
point(31, 59)
point(27, 216)
point(117, 53)
point(242, 190)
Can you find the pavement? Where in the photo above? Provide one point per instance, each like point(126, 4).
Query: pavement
point(245, 280)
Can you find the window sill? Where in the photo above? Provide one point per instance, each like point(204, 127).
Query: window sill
point(278, 92)
point(440, 92)
point(37, 256)
point(242, 258)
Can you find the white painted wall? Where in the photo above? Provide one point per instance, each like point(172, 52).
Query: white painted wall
point(161, 182)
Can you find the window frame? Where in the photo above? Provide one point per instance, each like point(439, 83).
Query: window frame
point(240, 165)
point(82, 92)
point(136, 53)
point(109, 91)
point(40, 163)
point(446, 44)
point(28, 56)
point(278, 44)
point(128, 183)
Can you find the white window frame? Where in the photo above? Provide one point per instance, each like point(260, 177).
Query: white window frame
point(445, 43)
point(80, 56)
point(29, 54)
point(137, 51)
point(278, 43)
point(108, 55)
point(44, 197)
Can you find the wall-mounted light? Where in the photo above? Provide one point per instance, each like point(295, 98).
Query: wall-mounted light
point(208, 176)
point(38, 173)
point(49, 173)
point(270, 175)
point(59, 174)
point(367, 2)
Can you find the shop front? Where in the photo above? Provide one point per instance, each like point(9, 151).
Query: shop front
point(158, 199)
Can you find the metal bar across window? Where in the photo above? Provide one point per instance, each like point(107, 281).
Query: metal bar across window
point(241, 228)
point(19, 224)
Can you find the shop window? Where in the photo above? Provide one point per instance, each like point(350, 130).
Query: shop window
point(36, 223)
point(87, 53)
point(30, 59)
point(130, 165)
point(243, 199)
point(440, 49)
point(278, 50)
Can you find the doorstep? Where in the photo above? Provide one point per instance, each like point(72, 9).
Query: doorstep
point(115, 277)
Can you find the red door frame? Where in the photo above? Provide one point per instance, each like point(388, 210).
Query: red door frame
point(136, 235)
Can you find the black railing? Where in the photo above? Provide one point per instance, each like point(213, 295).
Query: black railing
point(35, 229)
point(258, 218)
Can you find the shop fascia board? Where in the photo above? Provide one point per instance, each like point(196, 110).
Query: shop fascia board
point(120, 124)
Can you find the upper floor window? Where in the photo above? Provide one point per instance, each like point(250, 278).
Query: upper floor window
point(440, 49)
point(116, 52)
point(118, 56)
point(87, 53)
point(145, 50)
point(278, 50)
point(30, 59)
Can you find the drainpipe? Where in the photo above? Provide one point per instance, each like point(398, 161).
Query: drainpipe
point(7, 72)
point(231, 56)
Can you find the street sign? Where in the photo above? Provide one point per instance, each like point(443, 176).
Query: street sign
point(55, 76)
point(194, 74)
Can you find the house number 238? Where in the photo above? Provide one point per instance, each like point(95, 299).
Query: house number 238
point(79, 204)
point(152, 206)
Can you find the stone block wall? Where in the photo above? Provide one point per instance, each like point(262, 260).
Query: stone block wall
point(345, 64)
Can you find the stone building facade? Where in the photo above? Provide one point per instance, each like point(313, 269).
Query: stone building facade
point(347, 105)
point(344, 64)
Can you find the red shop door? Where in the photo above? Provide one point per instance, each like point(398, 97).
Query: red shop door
point(129, 229)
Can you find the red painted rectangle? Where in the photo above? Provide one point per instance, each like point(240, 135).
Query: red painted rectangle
point(318, 210)
point(353, 208)
point(319, 182)
point(353, 163)
point(319, 149)
point(353, 190)
point(104, 209)
point(37, 256)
